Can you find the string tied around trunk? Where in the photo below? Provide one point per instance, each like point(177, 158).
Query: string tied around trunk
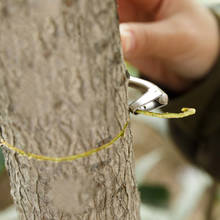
point(185, 113)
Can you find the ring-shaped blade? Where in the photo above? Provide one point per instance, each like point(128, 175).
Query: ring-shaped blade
point(153, 97)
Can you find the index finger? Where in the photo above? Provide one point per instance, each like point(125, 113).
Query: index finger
point(137, 10)
point(150, 6)
point(127, 11)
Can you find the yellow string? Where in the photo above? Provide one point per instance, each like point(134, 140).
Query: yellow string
point(68, 158)
point(185, 112)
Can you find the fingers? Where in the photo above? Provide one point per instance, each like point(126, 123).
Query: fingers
point(149, 5)
point(156, 71)
point(137, 10)
point(127, 11)
point(142, 39)
point(156, 39)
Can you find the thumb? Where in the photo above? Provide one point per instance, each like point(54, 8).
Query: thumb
point(140, 40)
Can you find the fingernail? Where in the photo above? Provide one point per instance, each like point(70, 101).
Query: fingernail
point(128, 41)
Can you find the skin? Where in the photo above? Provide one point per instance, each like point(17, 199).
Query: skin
point(172, 42)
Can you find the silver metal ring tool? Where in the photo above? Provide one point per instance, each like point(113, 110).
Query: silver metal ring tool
point(153, 98)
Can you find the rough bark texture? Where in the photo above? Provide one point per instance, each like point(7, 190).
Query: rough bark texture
point(62, 92)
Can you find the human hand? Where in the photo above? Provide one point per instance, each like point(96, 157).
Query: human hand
point(173, 42)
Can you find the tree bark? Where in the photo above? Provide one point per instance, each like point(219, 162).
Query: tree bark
point(63, 91)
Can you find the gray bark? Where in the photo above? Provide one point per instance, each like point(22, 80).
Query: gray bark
point(63, 91)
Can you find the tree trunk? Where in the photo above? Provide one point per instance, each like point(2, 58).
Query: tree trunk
point(63, 91)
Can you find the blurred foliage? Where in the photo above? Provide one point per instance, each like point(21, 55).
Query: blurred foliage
point(132, 70)
point(155, 195)
point(2, 162)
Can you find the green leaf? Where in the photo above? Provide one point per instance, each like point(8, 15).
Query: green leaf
point(155, 195)
point(2, 162)
point(132, 70)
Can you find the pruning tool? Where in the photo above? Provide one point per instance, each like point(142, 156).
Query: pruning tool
point(152, 98)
